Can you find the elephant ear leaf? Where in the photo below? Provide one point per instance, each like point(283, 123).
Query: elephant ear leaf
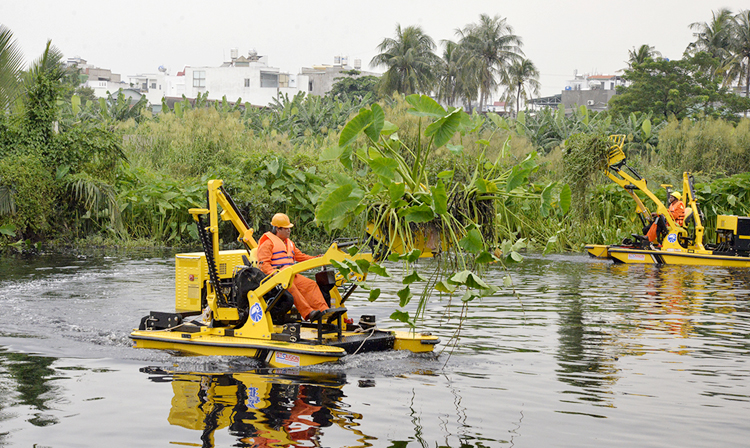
point(355, 126)
point(424, 106)
point(377, 123)
point(566, 198)
point(444, 128)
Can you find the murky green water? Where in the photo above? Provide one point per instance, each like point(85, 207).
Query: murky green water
point(587, 354)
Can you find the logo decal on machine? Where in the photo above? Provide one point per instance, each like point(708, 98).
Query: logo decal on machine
point(256, 314)
point(286, 358)
point(639, 257)
point(672, 237)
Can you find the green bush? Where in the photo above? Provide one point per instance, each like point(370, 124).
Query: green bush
point(33, 191)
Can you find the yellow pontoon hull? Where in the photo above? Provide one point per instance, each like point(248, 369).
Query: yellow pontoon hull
point(622, 254)
point(212, 342)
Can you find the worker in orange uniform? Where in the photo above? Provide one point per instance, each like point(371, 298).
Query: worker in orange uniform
point(659, 227)
point(276, 251)
point(677, 207)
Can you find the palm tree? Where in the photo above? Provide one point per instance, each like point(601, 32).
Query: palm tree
point(455, 80)
point(713, 37)
point(410, 60)
point(741, 47)
point(11, 64)
point(641, 55)
point(522, 78)
point(490, 47)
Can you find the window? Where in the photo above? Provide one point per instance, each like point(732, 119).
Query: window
point(153, 85)
point(310, 86)
point(199, 78)
point(269, 79)
point(283, 80)
point(247, 82)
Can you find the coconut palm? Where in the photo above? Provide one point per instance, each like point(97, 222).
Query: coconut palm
point(522, 78)
point(713, 37)
point(741, 47)
point(455, 80)
point(11, 64)
point(410, 59)
point(490, 47)
point(641, 55)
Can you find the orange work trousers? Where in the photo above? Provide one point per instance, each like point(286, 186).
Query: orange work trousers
point(307, 295)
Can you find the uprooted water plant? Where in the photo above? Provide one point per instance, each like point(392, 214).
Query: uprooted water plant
point(409, 212)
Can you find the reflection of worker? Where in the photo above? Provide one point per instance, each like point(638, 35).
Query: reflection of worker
point(677, 207)
point(276, 251)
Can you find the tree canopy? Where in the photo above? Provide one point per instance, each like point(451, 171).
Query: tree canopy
point(352, 86)
point(676, 88)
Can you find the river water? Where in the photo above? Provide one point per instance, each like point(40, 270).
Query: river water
point(583, 353)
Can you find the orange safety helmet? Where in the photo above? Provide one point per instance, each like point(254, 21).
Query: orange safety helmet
point(281, 220)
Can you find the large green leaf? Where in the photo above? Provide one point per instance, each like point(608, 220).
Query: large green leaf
point(448, 288)
point(396, 192)
point(440, 198)
point(355, 126)
point(273, 166)
point(388, 128)
point(8, 230)
point(374, 294)
point(378, 120)
point(378, 270)
point(404, 296)
point(444, 128)
point(517, 178)
point(468, 279)
point(424, 106)
point(566, 197)
point(413, 255)
point(418, 213)
point(472, 242)
point(340, 201)
point(402, 316)
point(413, 277)
point(646, 128)
point(383, 166)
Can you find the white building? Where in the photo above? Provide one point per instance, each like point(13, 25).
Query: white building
point(323, 77)
point(101, 80)
point(594, 82)
point(592, 91)
point(156, 86)
point(249, 78)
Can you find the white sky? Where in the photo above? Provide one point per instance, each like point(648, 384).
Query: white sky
point(138, 36)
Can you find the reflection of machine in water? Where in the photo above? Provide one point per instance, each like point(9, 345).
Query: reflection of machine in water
point(273, 410)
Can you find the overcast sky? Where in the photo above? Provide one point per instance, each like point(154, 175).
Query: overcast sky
point(138, 36)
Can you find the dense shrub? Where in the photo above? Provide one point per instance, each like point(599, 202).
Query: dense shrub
point(34, 196)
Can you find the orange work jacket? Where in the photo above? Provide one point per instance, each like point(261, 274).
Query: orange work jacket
point(282, 254)
point(677, 210)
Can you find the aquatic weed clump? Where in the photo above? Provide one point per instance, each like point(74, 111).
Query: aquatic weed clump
point(584, 157)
